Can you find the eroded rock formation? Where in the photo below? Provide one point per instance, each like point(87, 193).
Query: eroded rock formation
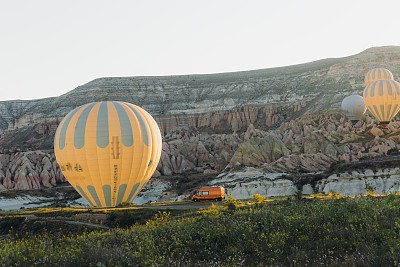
point(29, 170)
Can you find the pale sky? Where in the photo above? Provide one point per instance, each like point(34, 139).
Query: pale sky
point(49, 47)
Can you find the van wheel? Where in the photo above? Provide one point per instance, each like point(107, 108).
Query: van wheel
point(217, 199)
point(195, 200)
point(220, 199)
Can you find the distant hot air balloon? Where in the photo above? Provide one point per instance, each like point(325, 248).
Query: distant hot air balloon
point(382, 98)
point(353, 107)
point(378, 74)
point(108, 151)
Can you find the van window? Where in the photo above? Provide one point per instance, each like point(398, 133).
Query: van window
point(198, 193)
point(204, 193)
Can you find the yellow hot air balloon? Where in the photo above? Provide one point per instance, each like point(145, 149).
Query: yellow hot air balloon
point(382, 98)
point(378, 74)
point(108, 151)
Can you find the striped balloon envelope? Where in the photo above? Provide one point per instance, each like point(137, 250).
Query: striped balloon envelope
point(382, 98)
point(378, 74)
point(108, 151)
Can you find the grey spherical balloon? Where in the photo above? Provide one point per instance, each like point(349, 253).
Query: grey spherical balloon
point(354, 108)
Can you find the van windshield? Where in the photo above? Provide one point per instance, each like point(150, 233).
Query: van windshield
point(198, 193)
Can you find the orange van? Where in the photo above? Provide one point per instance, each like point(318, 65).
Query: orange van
point(209, 193)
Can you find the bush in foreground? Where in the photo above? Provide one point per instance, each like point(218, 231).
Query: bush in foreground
point(345, 231)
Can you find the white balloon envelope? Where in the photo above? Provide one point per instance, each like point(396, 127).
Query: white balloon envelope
point(353, 107)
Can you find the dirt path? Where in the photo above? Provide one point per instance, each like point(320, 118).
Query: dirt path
point(183, 206)
point(34, 217)
point(84, 223)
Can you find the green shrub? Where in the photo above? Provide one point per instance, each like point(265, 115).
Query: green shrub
point(232, 200)
point(10, 223)
point(258, 199)
point(231, 203)
point(213, 210)
point(121, 219)
point(158, 218)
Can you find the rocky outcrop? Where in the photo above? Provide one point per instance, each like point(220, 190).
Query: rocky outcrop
point(357, 182)
point(312, 142)
point(29, 170)
point(259, 150)
point(233, 120)
point(349, 184)
point(154, 190)
point(303, 163)
point(29, 134)
point(188, 150)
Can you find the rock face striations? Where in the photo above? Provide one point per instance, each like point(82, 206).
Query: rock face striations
point(281, 120)
point(324, 82)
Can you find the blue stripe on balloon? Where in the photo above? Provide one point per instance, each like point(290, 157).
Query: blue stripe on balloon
point(63, 131)
point(388, 77)
point(107, 194)
point(80, 127)
point(142, 125)
point(385, 74)
point(377, 112)
point(389, 86)
point(133, 191)
point(125, 123)
point(372, 86)
point(388, 112)
point(93, 192)
point(80, 190)
point(380, 88)
point(366, 91)
point(102, 131)
point(394, 112)
point(121, 193)
point(383, 113)
point(55, 136)
point(370, 110)
point(379, 73)
point(373, 74)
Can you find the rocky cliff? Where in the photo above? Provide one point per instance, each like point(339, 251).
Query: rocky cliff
point(277, 121)
point(322, 84)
